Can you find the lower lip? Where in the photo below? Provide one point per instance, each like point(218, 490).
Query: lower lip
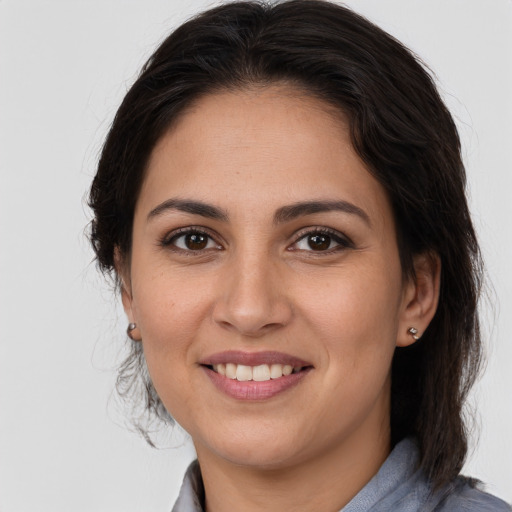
point(253, 390)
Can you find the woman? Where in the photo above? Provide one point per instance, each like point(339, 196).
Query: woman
point(281, 198)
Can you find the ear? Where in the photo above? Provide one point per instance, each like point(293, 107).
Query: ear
point(421, 296)
point(122, 267)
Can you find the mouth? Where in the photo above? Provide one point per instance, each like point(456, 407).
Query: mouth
point(259, 373)
point(255, 376)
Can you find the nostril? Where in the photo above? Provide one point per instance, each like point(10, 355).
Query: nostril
point(251, 309)
point(250, 328)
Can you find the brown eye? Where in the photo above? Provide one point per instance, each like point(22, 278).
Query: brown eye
point(196, 241)
point(322, 241)
point(192, 241)
point(319, 242)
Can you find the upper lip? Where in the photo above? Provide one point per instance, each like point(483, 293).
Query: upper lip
point(253, 358)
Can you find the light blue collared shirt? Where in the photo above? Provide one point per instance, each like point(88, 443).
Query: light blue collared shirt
point(399, 486)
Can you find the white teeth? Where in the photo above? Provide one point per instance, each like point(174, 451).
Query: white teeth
point(260, 373)
point(287, 369)
point(276, 371)
point(243, 373)
point(231, 371)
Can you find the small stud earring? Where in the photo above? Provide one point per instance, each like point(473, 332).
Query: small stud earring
point(131, 327)
point(413, 332)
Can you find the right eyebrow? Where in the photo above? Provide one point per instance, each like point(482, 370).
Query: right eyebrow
point(188, 206)
point(292, 211)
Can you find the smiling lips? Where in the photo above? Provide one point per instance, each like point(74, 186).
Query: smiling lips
point(260, 373)
point(254, 376)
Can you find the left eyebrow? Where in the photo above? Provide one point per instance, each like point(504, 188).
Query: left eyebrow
point(194, 207)
point(291, 212)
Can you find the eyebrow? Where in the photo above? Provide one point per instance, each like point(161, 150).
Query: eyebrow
point(188, 206)
point(290, 212)
point(282, 215)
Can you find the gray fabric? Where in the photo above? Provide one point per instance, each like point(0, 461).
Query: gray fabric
point(191, 496)
point(398, 487)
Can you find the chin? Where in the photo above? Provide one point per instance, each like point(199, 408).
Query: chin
point(264, 451)
point(258, 459)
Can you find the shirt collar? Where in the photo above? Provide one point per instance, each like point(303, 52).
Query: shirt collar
point(397, 481)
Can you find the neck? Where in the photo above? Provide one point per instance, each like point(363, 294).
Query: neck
point(326, 483)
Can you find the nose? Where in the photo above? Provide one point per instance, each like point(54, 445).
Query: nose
point(252, 298)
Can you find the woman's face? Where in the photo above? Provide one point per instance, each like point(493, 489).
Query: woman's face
point(261, 240)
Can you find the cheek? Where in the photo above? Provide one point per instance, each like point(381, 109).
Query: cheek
point(165, 296)
point(365, 294)
point(356, 314)
point(168, 319)
point(172, 309)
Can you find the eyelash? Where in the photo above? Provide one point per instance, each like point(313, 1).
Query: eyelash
point(170, 239)
point(342, 241)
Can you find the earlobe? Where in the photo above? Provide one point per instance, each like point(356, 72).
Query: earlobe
point(126, 294)
point(421, 296)
point(133, 332)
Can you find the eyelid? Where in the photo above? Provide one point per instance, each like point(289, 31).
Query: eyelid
point(340, 238)
point(167, 239)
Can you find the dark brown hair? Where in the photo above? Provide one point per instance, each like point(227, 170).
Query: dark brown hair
point(399, 127)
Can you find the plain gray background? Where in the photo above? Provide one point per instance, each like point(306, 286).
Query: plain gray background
point(64, 67)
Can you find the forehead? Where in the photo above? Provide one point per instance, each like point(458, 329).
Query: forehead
point(276, 142)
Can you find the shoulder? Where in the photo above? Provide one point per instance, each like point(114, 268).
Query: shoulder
point(464, 495)
point(402, 486)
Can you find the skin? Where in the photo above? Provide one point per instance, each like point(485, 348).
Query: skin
point(258, 285)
